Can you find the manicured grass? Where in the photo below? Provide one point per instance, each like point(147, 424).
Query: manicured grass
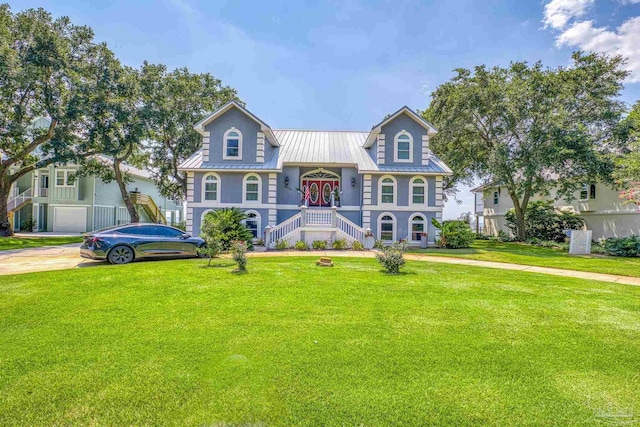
point(519, 253)
point(288, 343)
point(8, 243)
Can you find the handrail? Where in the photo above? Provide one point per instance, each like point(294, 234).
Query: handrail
point(278, 232)
point(20, 199)
point(350, 228)
point(149, 205)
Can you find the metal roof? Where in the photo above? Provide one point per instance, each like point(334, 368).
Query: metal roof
point(308, 147)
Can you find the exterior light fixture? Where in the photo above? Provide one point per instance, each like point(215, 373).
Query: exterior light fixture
point(286, 181)
point(353, 182)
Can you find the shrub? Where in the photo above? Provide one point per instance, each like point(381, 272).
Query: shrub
point(226, 226)
point(379, 244)
point(239, 253)
point(503, 236)
point(622, 246)
point(301, 245)
point(282, 245)
point(480, 236)
point(543, 222)
point(319, 245)
point(28, 224)
point(211, 249)
point(260, 242)
point(357, 246)
point(391, 257)
point(340, 244)
point(454, 234)
point(182, 225)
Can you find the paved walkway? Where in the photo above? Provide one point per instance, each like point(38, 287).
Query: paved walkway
point(67, 256)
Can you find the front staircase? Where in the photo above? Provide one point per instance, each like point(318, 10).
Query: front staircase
point(17, 201)
point(314, 224)
point(146, 202)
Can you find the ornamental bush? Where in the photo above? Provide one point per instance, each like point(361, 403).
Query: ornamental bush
point(454, 234)
point(543, 222)
point(226, 226)
point(301, 245)
point(282, 245)
point(357, 246)
point(319, 245)
point(239, 253)
point(622, 246)
point(340, 244)
point(391, 257)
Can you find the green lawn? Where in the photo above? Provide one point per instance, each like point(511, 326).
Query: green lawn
point(288, 343)
point(7, 243)
point(519, 253)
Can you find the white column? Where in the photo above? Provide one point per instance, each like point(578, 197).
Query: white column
point(273, 183)
point(260, 148)
point(190, 220)
point(426, 154)
point(190, 186)
point(205, 146)
point(439, 192)
point(381, 148)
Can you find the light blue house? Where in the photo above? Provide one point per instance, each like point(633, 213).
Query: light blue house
point(317, 185)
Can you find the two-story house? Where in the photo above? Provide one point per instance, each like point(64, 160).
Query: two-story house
point(317, 185)
point(60, 202)
point(598, 204)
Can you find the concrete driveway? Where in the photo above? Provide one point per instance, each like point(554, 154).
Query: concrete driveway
point(42, 259)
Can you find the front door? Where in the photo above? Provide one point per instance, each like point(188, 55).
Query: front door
point(318, 191)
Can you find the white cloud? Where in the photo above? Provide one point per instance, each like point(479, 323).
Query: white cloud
point(558, 13)
point(630, 1)
point(622, 41)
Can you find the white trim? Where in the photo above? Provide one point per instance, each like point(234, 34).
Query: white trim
point(224, 144)
point(394, 234)
point(206, 143)
point(403, 132)
point(260, 148)
point(258, 220)
point(244, 190)
point(395, 191)
point(66, 173)
point(410, 225)
point(273, 185)
point(426, 153)
point(412, 184)
point(321, 170)
point(204, 188)
point(297, 207)
point(381, 149)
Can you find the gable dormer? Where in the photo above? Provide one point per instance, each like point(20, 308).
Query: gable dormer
point(402, 139)
point(232, 134)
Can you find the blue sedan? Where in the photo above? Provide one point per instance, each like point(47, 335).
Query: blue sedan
point(125, 243)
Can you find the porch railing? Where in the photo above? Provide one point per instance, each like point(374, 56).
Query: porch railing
point(280, 231)
point(350, 228)
point(17, 201)
point(318, 217)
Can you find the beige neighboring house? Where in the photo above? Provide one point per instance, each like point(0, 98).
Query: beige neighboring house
point(598, 204)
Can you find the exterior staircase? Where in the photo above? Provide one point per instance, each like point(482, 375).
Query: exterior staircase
point(149, 206)
point(316, 224)
point(17, 201)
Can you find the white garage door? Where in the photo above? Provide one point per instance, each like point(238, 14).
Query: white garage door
point(69, 219)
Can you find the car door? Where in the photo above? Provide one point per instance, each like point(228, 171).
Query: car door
point(144, 240)
point(174, 242)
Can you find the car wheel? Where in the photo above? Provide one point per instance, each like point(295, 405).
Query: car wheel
point(121, 255)
point(201, 255)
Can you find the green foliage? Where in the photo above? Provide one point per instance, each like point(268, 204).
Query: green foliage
point(391, 257)
point(182, 225)
point(225, 226)
point(379, 244)
point(623, 246)
point(174, 101)
point(454, 234)
point(543, 222)
point(239, 254)
point(628, 171)
point(529, 128)
point(301, 245)
point(282, 245)
point(503, 236)
point(28, 224)
point(319, 245)
point(357, 246)
point(260, 242)
point(340, 244)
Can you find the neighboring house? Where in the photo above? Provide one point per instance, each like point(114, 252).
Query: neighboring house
point(317, 185)
point(598, 204)
point(58, 203)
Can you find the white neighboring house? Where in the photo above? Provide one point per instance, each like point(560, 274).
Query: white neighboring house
point(598, 204)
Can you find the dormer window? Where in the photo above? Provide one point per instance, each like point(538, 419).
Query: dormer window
point(403, 147)
point(232, 145)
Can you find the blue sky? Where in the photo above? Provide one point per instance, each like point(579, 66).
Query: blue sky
point(346, 64)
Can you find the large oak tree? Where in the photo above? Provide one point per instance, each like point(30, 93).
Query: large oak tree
point(628, 171)
point(43, 74)
point(531, 129)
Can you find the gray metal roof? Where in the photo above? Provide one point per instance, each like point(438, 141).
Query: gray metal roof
point(302, 147)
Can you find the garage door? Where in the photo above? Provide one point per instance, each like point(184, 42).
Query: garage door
point(69, 219)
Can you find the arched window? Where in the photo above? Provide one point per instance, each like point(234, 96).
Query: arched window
point(252, 185)
point(403, 147)
point(418, 191)
point(417, 226)
point(387, 227)
point(232, 145)
point(387, 190)
point(211, 188)
point(253, 223)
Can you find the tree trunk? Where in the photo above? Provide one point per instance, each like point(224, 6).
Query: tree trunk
point(6, 228)
point(520, 227)
point(133, 213)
